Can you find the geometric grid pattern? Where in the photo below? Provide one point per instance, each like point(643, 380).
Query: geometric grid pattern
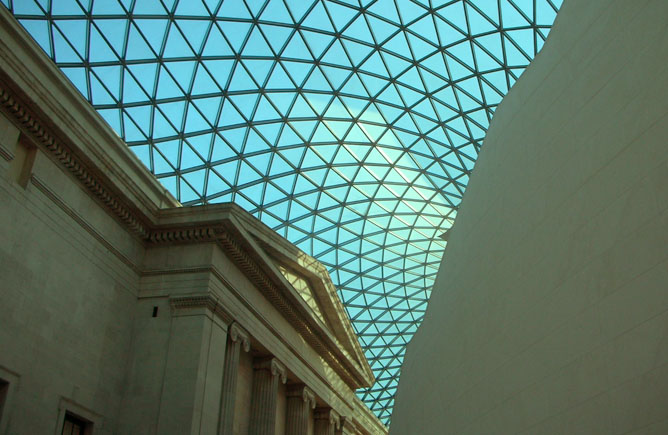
point(350, 127)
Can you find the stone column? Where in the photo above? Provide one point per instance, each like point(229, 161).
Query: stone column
point(347, 427)
point(236, 341)
point(268, 372)
point(300, 401)
point(327, 421)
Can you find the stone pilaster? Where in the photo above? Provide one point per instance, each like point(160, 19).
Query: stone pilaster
point(193, 371)
point(327, 421)
point(237, 340)
point(268, 372)
point(300, 400)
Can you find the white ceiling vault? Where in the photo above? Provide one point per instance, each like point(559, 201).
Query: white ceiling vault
point(350, 127)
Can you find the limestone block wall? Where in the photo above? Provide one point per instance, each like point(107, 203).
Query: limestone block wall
point(550, 311)
point(65, 332)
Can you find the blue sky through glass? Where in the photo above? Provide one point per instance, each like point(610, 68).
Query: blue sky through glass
point(349, 127)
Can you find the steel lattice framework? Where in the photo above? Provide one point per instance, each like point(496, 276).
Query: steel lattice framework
point(348, 126)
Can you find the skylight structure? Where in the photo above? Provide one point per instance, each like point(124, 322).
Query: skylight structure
point(350, 127)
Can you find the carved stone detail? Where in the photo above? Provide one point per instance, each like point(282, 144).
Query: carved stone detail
point(238, 339)
point(303, 392)
point(141, 226)
point(268, 372)
point(182, 235)
point(273, 365)
point(347, 427)
point(63, 154)
point(238, 334)
point(300, 400)
point(327, 421)
point(312, 335)
point(262, 281)
point(201, 300)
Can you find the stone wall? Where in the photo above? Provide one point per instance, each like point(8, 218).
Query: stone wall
point(64, 297)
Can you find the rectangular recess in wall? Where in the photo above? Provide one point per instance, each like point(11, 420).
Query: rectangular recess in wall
point(24, 159)
point(9, 381)
point(4, 391)
point(75, 419)
point(75, 425)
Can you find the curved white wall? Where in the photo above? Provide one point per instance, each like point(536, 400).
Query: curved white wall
point(550, 311)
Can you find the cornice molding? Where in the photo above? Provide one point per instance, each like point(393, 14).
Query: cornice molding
point(228, 237)
point(200, 301)
point(55, 199)
point(311, 333)
point(68, 144)
point(185, 235)
point(60, 152)
point(319, 279)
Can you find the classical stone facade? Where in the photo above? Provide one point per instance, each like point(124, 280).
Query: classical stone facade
point(123, 312)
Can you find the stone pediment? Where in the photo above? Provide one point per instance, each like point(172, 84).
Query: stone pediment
point(308, 282)
point(295, 283)
point(302, 286)
point(312, 282)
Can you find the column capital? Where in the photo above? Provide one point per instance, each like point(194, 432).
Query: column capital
point(273, 365)
point(301, 390)
point(348, 426)
point(328, 414)
point(237, 333)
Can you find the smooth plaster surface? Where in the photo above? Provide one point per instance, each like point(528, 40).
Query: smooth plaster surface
point(550, 311)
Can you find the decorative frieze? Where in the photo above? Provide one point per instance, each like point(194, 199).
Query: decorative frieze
point(72, 163)
point(198, 234)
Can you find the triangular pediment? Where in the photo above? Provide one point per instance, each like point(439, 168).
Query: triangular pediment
point(304, 288)
point(310, 280)
point(297, 285)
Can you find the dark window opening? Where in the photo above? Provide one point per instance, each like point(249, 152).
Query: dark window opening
point(4, 390)
point(73, 425)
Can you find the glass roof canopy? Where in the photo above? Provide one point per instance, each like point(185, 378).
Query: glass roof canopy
point(350, 127)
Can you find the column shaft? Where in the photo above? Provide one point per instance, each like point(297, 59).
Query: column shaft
point(237, 339)
point(327, 421)
point(266, 376)
point(300, 400)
